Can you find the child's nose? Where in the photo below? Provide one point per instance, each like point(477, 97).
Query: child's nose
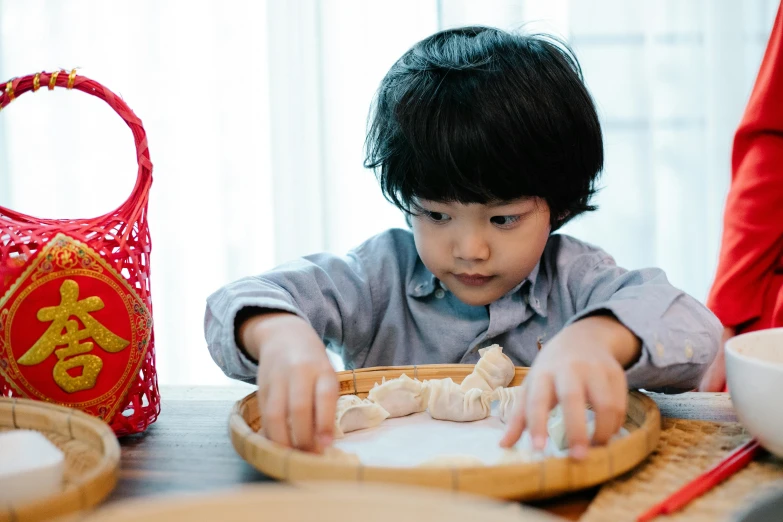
point(471, 247)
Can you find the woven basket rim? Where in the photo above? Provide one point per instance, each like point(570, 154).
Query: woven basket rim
point(616, 458)
point(15, 87)
point(91, 487)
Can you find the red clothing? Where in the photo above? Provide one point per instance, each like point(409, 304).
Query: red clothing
point(748, 288)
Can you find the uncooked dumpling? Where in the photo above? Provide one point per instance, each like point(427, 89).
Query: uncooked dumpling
point(402, 396)
point(494, 369)
point(508, 401)
point(354, 414)
point(450, 402)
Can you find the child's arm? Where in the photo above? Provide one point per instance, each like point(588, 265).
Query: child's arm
point(679, 336)
point(282, 319)
point(331, 293)
point(633, 321)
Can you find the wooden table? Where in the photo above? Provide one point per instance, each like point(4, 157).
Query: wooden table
point(188, 448)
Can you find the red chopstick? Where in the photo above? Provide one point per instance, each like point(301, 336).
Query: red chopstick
point(732, 463)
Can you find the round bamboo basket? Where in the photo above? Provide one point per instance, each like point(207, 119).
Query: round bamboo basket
point(522, 481)
point(92, 456)
point(325, 502)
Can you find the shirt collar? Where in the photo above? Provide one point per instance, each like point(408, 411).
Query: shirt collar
point(422, 282)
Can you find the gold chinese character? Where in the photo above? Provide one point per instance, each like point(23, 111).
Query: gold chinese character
point(53, 337)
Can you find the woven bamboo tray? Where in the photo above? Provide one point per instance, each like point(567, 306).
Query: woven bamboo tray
point(324, 502)
point(687, 449)
point(92, 456)
point(524, 481)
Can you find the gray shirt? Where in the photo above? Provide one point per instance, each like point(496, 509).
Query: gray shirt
point(380, 306)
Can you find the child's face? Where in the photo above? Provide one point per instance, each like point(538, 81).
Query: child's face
point(481, 251)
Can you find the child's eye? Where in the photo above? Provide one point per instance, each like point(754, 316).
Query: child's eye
point(437, 217)
point(504, 221)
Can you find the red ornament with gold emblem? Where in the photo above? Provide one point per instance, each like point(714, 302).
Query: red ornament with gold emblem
point(75, 309)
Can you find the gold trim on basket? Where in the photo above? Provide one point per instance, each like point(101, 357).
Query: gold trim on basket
point(53, 80)
point(36, 82)
point(71, 78)
point(9, 90)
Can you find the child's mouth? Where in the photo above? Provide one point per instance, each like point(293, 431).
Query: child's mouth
point(473, 279)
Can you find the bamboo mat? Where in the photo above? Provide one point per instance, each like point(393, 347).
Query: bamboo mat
point(686, 449)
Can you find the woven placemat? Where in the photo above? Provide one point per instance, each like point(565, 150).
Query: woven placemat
point(686, 449)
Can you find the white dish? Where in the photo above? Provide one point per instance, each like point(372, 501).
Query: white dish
point(754, 373)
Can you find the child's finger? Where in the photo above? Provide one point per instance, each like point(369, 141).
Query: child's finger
point(606, 405)
point(301, 408)
point(326, 394)
point(541, 397)
point(275, 412)
point(620, 388)
point(571, 395)
point(516, 425)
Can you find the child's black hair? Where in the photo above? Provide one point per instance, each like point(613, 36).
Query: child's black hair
point(479, 115)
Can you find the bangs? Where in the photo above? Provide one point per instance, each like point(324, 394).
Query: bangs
point(453, 151)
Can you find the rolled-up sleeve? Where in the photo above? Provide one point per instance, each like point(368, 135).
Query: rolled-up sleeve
point(332, 293)
point(679, 335)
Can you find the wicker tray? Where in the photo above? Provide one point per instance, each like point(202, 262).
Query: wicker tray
point(92, 456)
point(687, 449)
point(526, 481)
point(324, 502)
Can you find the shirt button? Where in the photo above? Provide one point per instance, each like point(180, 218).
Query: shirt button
point(688, 349)
point(659, 348)
point(439, 293)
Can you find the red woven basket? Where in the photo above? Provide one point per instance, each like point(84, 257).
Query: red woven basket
point(75, 308)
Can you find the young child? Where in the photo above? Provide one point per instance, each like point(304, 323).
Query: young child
point(488, 142)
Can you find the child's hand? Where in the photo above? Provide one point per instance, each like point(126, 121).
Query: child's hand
point(583, 363)
point(714, 379)
point(297, 386)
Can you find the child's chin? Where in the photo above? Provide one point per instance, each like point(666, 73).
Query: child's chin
point(475, 297)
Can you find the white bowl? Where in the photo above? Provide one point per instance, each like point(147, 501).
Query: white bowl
point(754, 373)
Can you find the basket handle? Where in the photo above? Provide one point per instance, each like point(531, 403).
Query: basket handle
point(18, 86)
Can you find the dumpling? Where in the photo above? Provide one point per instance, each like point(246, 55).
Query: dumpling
point(354, 414)
point(453, 461)
point(508, 401)
point(557, 430)
point(449, 402)
point(401, 396)
point(494, 369)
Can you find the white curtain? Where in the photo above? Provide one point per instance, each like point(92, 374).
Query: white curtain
point(256, 112)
